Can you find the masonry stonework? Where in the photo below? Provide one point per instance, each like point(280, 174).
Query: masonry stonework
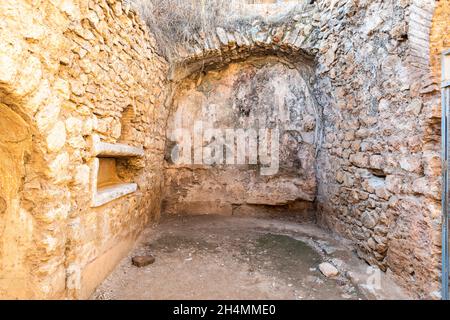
point(69, 70)
point(364, 77)
point(378, 169)
point(381, 185)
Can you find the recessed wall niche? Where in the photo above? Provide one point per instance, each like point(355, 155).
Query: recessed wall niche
point(106, 185)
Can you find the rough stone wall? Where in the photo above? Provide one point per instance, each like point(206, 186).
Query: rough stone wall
point(261, 93)
point(68, 69)
point(379, 165)
point(379, 172)
point(15, 232)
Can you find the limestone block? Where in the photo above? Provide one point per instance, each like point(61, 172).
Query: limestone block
point(48, 114)
point(377, 162)
point(428, 187)
point(77, 142)
point(328, 270)
point(60, 213)
point(38, 98)
point(88, 126)
point(30, 75)
point(394, 183)
point(432, 164)
point(77, 87)
point(62, 87)
point(74, 126)
point(59, 168)
point(8, 69)
point(70, 8)
point(82, 174)
point(56, 137)
point(360, 159)
point(368, 220)
point(411, 164)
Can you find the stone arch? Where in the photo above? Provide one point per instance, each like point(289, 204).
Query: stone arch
point(294, 39)
point(290, 43)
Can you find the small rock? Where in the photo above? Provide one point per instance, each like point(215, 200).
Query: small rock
point(436, 295)
point(337, 262)
point(142, 261)
point(328, 270)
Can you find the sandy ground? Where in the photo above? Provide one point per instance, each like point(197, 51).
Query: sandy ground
point(212, 257)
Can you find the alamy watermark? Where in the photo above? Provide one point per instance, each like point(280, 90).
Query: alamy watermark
point(203, 145)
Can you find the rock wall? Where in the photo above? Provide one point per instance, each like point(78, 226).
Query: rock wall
point(378, 170)
point(15, 231)
point(70, 70)
point(262, 93)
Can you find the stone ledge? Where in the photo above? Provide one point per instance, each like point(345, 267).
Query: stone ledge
point(103, 195)
point(111, 193)
point(103, 149)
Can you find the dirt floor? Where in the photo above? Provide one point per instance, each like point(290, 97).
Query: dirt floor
point(212, 257)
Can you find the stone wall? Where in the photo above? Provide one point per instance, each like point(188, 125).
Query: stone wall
point(378, 171)
point(69, 70)
point(73, 71)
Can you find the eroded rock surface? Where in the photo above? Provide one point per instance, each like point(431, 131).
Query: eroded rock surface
point(247, 97)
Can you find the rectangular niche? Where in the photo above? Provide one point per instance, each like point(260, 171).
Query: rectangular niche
point(105, 182)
